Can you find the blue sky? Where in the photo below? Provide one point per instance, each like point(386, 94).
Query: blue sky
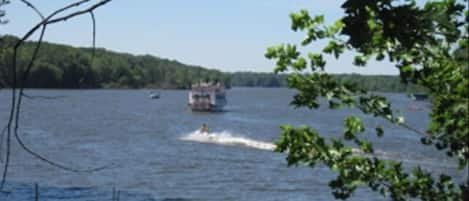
point(227, 35)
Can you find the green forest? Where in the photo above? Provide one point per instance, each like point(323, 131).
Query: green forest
point(62, 66)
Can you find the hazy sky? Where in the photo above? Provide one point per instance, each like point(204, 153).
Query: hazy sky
point(230, 35)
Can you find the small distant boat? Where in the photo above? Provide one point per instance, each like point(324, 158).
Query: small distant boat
point(154, 95)
point(207, 97)
point(420, 96)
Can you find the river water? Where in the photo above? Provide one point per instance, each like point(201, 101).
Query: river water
point(153, 151)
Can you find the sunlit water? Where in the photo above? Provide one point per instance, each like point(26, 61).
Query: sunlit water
point(153, 150)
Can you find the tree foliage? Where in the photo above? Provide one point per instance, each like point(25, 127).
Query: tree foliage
point(429, 45)
point(256, 79)
point(381, 83)
point(60, 66)
point(2, 12)
point(73, 69)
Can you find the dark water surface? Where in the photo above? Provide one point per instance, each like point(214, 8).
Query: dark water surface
point(155, 153)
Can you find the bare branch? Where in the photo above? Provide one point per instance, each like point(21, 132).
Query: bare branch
point(36, 192)
point(409, 127)
point(91, 8)
point(16, 104)
point(44, 159)
point(2, 135)
point(94, 37)
point(31, 62)
point(41, 97)
point(402, 124)
point(34, 8)
point(32, 30)
point(10, 120)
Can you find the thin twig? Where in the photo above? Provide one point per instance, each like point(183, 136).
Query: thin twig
point(44, 21)
point(409, 127)
point(13, 102)
point(402, 124)
point(36, 192)
point(2, 135)
point(16, 105)
point(89, 9)
point(31, 62)
point(42, 97)
point(34, 8)
point(94, 37)
point(10, 120)
point(27, 149)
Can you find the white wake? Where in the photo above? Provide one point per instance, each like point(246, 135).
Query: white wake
point(226, 138)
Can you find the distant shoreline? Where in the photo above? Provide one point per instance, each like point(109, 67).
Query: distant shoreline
point(170, 89)
point(67, 67)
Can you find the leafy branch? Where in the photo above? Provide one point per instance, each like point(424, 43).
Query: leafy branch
point(429, 45)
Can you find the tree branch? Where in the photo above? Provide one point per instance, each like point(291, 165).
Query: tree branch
point(90, 9)
point(34, 8)
point(32, 30)
point(16, 104)
point(2, 135)
point(41, 97)
point(94, 37)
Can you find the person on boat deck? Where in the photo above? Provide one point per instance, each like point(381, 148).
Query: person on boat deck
point(204, 129)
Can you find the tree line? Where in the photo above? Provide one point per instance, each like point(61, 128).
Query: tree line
point(62, 66)
point(382, 83)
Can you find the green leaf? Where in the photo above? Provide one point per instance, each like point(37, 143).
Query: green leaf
point(427, 42)
point(360, 60)
point(379, 131)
